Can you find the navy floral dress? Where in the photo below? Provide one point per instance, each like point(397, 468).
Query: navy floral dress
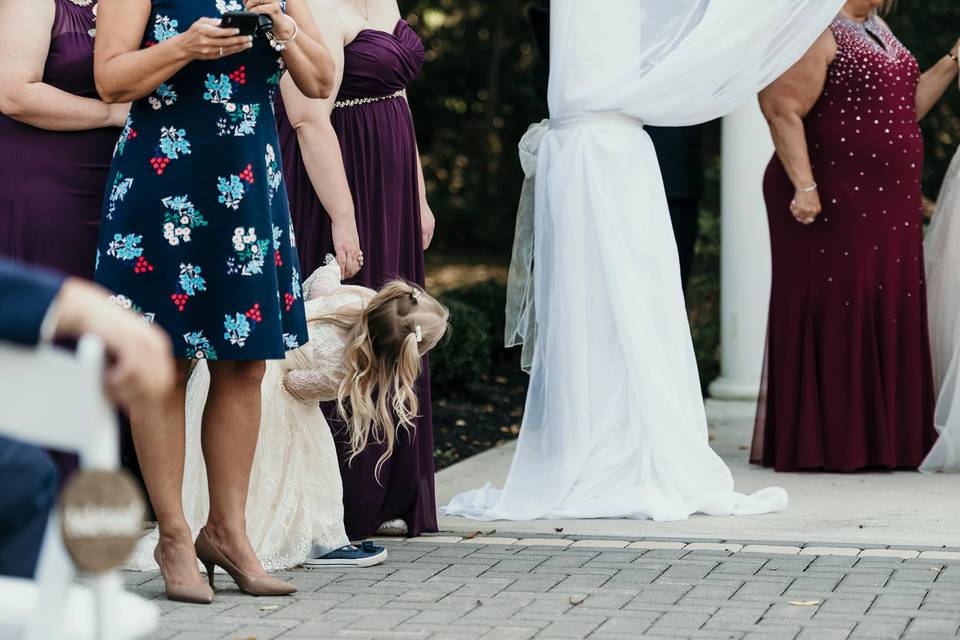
point(196, 232)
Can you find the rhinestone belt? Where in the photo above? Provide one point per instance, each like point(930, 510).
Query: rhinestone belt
point(356, 102)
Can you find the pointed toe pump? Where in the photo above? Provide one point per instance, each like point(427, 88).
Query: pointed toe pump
point(190, 593)
point(212, 557)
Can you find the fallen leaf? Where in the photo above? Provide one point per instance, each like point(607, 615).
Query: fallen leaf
point(479, 534)
point(805, 603)
point(269, 607)
point(558, 529)
point(743, 447)
point(577, 600)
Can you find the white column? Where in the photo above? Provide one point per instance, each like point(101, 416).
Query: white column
point(744, 254)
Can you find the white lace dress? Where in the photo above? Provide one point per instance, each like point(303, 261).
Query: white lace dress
point(296, 496)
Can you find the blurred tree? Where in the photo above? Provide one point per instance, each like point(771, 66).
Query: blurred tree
point(930, 28)
point(473, 102)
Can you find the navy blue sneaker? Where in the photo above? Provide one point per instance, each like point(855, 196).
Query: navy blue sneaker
point(366, 554)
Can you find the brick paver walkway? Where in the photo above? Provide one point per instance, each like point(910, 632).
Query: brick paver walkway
point(443, 591)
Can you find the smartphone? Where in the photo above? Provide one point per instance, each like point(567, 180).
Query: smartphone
point(246, 21)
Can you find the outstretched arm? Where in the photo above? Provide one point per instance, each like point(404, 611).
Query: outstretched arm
point(320, 148)
point(785, 104)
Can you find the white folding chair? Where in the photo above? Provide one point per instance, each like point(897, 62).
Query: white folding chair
point(53, 398)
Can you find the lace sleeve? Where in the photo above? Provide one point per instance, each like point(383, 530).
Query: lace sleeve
point(324, 281)
point(317, 366)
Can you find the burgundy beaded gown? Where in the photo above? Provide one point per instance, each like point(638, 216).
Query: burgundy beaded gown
point(52, 182)
point(848, 382)
point(379, 151)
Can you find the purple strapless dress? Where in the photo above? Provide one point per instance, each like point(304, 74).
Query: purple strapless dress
point(380, 157)
point(52, 182)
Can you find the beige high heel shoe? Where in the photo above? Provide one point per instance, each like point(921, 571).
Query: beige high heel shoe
point(190, 593)
point(212, 557)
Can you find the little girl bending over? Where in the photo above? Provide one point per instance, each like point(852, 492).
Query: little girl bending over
point(365, 353)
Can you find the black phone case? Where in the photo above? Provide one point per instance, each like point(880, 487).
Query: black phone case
point(246, 21)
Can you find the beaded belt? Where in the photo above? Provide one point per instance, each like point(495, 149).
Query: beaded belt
point(356, 102)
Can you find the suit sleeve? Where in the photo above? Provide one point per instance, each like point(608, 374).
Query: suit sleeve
point(26, 296)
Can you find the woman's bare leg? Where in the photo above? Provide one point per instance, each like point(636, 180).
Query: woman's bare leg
point(231, 424)
point(159, 435)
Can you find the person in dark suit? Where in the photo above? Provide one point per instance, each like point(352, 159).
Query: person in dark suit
point(44, 306)
point(28, 473)
point(679, 150)
point(680, 154)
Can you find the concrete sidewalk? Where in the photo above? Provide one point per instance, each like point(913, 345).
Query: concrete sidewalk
point(870, 510)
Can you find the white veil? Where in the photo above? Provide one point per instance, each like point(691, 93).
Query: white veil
point(942, 249)
point(615, 423)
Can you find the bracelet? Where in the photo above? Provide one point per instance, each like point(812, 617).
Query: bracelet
point(810, 189)
point(277, 43)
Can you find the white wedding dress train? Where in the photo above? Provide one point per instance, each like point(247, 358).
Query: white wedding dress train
point(615, 425)
point(942, 250)
point(295, 496)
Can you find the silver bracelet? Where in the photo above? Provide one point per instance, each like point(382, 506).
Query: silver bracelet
point(278, 44)
point(810, 189)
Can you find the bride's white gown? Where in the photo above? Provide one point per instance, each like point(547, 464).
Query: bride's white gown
point(942, 249)
point(615, 423)
point(296, 495)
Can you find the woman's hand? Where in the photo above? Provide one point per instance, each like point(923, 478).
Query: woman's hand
point(346, 244)
point(283, 27)
point(806, 206)
point(207, 40)
point(428, 224)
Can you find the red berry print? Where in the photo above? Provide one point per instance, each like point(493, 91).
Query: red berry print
point(159, 164)
point(289, 299)
point(277, 259)
point(240, 75)
point(254, 313)
point(247, 174)
point(131, 135)
point(180, 299)
point(142, 266)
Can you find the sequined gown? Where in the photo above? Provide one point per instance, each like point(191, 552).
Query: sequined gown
point(848, 381)
point(378, 146)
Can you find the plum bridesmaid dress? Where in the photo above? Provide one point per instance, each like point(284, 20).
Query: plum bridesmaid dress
point(52, 182)
point(374, 125)
point(849, 381)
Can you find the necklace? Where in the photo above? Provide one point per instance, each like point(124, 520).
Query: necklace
point(366, 11)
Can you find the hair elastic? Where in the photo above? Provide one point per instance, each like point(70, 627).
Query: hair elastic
point(418, 332)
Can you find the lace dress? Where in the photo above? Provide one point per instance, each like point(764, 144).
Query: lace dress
point(296, 495)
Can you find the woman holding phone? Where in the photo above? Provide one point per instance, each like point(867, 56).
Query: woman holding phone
point(196, 238)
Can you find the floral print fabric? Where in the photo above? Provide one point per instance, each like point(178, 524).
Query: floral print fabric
point(196, 230)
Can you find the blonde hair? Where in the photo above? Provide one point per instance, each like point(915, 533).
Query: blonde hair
point(387, 340)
